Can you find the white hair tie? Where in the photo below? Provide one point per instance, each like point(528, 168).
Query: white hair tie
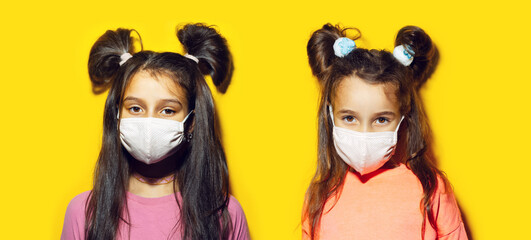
point(125, 56)
point(404, 54)
point(192, 57)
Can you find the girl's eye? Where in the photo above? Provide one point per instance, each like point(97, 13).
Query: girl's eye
point(168, 112)
point(382, 120)
point(135, 109)
point(349, 119)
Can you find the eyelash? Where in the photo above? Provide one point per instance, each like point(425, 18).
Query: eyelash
point(386, 120)
point(137, 109)
point(172, 111)
point(377, 121)
point(345, 118)
point(133, 107)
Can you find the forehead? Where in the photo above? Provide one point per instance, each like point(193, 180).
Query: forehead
point(150, 85)
point(357, 94)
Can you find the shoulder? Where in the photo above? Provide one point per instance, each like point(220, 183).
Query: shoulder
point(444, 193)
point(80, 199)
point(74, 223)
point(236, 210)
point(234, 206)
point(446, 210)
point(77, 205)
point(238, 219)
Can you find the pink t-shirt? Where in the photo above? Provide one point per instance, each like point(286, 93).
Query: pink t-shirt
point(386, 205)
point(150, 218)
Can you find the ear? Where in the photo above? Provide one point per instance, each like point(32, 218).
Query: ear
point(190, 123)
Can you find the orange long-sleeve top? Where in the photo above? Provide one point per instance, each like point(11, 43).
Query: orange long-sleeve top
point(386, 204)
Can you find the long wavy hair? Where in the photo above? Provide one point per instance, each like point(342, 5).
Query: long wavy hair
point(378, 67)
point(202, 177)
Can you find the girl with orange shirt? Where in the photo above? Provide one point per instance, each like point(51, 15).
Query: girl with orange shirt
point(376, 176)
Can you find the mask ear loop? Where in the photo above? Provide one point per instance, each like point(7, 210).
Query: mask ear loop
point(395, 136)
point(184, 120)
point(398, 126)
point(331, 114)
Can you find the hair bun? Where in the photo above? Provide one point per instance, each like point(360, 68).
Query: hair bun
point(105, 57)
point(426, 54)
point(210, 48)
point(320, 48)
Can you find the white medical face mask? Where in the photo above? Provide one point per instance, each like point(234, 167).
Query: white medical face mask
point(364, 151)
point(150, 140)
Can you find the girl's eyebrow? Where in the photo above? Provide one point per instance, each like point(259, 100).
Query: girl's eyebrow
point(385, 113)
point(130, 98)
point(347, 111)
point(170, 100)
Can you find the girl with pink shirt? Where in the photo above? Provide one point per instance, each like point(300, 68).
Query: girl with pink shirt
point(376, 176)
point(161, 172)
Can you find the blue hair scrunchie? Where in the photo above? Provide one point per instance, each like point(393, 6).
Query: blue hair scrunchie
point(343, 46)
point(404, 54)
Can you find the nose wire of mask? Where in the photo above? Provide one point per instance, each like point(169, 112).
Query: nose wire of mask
point(364, 151)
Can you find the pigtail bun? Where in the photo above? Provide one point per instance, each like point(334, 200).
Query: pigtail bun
point(320, 48)
point(207, 45)
point(104, 59)
point(426, 55)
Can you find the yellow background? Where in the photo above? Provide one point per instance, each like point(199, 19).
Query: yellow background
point(478, 102)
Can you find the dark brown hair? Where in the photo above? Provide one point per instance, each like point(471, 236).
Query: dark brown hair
point(378, 67)
point(203, 175)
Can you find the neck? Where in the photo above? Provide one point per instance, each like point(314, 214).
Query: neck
point(160, 169)
point(147, 190)
point(387, 166)
point(154, 180)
